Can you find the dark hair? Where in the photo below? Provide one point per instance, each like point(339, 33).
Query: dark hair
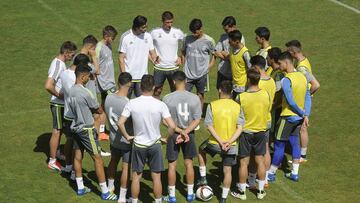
point(124, 78)
point(253, 76)
point(258, 60)
point(167, 15)
point(81, 59)
point(293, 43)
point(67, 46)
point(235, 35)
point(195, 24)
point(109, 31)
point(90, 39)
point(263, 32)
point(81, 69)
point(179, 76)
point(274, 53)
point(286, 56)
point(139, 21)
point(229, 20)
point(147, 83)
point(226, 87)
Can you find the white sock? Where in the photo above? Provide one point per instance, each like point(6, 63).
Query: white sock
point(243, 187)
point(134, 200)
point(252, 179)
point(295, 169)
point(122, 194)
point(303, 151)
point(261, 185)
point(273, 169)
point(111, 184)
point(190, 189)
point(158, 200)
point(266, 176)
point(80, 183)
point(171, 190)
point(51, 160)
point(225, 192)
point(102, 128)
point(104, 188)
point(202, 170)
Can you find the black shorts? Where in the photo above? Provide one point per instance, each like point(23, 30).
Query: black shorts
point(188, 148)
point(87, 139)
point(161, 75)
point(57, 112)
point(125, 154)
point(105, 93)
point(228, 157)
point(220, 78)
point(66, 128)
point(135, 87)
point(252, 141)
point(199, 83)
point(285, 128)
point(151, 155)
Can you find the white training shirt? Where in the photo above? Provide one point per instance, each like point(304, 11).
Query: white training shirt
point(166, 44)
point(57, 66)
point(147, 114)
point(68, 79)
point(136, 49)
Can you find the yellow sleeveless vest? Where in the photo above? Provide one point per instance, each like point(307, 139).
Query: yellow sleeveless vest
point(238, 67)
point(298, 88)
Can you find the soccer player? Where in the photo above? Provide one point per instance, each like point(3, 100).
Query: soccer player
point(166, 42)
point(303, 66)
point(224, 124)
point(239, 60)
point(197, 50)
point(68, 78)
point(82, 105)
point(134, 48)
point(53, 86)
point(147, 113)
point(262, 38)
point(185, 109)
point(265, 83)
point(255, 105)
point(120, 147)
point(296, 105)
point(224, 67)
point(106, 79)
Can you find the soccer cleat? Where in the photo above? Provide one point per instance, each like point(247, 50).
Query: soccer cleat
point(168, 198)
point(261, 194)
point(222, 200)
point(109, 196)
point(190, 198)
point(103, 136)
point(251, 187)
point(202, 181)
point(271, 177)
point(55, 166)
point(292, 177)
point(104, 153)
point(239, 194)
point(302, 160)
point(83, 191)
point(197, 128)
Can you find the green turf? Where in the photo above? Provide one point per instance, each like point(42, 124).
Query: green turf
point(32, 31)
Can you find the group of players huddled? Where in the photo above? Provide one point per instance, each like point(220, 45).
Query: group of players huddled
point(262, 98)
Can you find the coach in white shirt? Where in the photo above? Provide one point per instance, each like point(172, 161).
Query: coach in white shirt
point(147, 114)
point(134, 48)
point(166, 42)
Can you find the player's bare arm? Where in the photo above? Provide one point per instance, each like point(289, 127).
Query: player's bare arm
point(94, 59)
point(122, 61)
point(50, 87)
point(215, 135)
point(121, 125)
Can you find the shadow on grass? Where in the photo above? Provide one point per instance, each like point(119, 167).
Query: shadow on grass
point(42, 144)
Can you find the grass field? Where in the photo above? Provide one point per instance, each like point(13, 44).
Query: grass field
point(32, 31)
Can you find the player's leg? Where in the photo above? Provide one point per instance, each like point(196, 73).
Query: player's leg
point(135, 186)
point(203, 148)
point(124, 175)
point(295, 146)
point(189, 84)
point(189, 152)
point(137, 165)
point(200, 89)
point(55, 136)
point(170, 80)
point(172, 153)
point(267, 157)
point(115, 158)
point(228, 162)
point(68, 148)
point(137, 89)
point(259, 146)
point(159, 78)
point(304, 140)
point(156, 165)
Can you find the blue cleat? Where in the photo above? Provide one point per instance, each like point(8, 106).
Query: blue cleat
point(190, 198)
point(169, 199)
point(109, 196)
point(271, 177)
point(83, 191)
point(292, 177)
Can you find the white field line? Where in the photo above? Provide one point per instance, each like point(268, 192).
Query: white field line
point(297, 197)
point(346, 6)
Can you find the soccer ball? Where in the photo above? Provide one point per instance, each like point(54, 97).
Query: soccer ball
point(204, 193)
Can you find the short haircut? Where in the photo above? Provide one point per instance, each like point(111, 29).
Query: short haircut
point(81, 69)
point(179, 76)
point(294, 43)
point(124, 78)
point(253, 76)
point(235, 35)
point(195, 25)
point(139, 21)
point(229, 21)
point(109, 31)
point(67, 46)
point(286, 56)
point(167, 15)
point(274, 53)
point(81, 59)
point(226, 87)
point(263, 32)
point(147, 83)
point(90, 39)
point(259, 61)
